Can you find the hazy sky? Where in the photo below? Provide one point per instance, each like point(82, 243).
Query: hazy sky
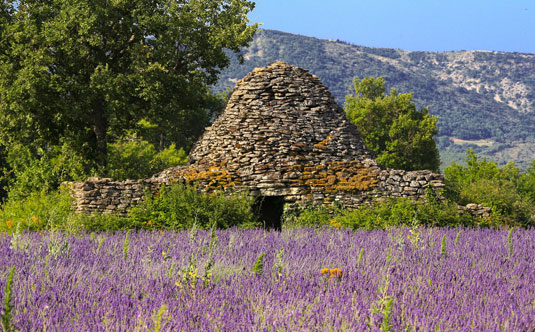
point(414, 25)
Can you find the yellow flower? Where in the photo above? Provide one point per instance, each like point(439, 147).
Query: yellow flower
point(149, 223)
point(164, 253)
point(9, 224)
point(325, 270)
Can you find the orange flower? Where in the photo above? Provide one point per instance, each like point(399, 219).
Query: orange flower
point(335, 223)
point(336, 273)
point(325, 270)
point(9, 224)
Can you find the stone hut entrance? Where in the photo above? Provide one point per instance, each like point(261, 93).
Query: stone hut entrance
point(269, 210)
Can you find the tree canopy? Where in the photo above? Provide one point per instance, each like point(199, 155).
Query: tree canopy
point(86, 71)
point(392, 127)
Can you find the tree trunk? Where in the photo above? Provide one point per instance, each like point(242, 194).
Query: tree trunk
point(100, 128)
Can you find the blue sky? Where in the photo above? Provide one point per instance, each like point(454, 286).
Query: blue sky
point(414, 25)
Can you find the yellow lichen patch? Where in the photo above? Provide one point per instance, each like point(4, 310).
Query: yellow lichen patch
point(215, 177)
point(322, 145)
point(347, 176)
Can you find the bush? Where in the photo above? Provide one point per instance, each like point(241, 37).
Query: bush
point(508, 192)
point(405, 212)
point(180, 207)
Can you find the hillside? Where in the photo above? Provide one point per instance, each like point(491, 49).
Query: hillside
point(484, 100)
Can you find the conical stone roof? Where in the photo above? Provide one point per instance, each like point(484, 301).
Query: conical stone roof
point(277, 116)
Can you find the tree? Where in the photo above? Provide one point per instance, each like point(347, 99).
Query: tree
point(392, 127)
point(85, 71)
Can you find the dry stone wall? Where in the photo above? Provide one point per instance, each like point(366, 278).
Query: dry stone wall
point(281, 134)
point(106, 196)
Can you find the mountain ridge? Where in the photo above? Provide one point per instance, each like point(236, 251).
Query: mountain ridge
point(479, 96)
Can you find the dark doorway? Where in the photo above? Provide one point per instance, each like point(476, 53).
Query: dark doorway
point(269, 211)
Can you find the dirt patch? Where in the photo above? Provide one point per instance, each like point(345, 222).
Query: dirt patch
point(480, 142)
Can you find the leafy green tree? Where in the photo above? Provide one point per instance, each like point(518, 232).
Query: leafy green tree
point(85, 71)
point(392, 127)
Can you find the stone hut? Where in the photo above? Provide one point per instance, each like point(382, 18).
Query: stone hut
point(283, 137)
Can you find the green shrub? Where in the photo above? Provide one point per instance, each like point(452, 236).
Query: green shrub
point(509, 193)
point(383, 214)
point(179, 207)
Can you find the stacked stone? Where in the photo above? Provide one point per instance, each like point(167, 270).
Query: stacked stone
point(476, 210)
point(106, 196)
point(399, 183)
point(281, 134)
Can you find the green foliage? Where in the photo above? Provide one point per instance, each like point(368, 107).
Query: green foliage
point(41, 170)
point(383, 307)
point(443, 247)
point(399, 135)
point(308, 216)
point(86, 71)
point(258, 267)
point(510, 248)
point(404, 212)
point(7, 325)
point(526, 183)
point(505, 189)
point(36, 212)
point(137, 159)
point(126, 245)
point(179, 207)
point(175, 207)
point(391, 212)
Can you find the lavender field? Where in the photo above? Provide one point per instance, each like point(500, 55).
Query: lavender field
point(254, 280)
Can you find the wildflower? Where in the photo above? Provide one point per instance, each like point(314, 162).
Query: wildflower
point(335, 273)
point(9, 224)
point(149, 223)
point(36, 220)
point(335, 224)
point(325, 271)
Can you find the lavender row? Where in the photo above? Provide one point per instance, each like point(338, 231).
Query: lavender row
point(401, 279)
